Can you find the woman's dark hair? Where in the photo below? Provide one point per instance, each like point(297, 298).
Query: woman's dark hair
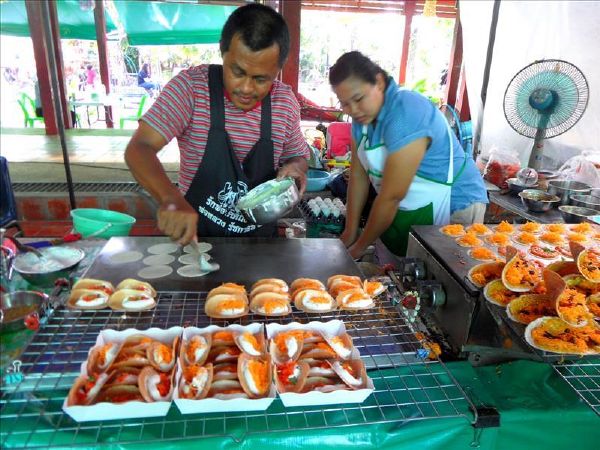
point(259, 27)
point(355, 64)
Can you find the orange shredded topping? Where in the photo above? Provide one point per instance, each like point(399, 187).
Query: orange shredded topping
point(526, 238)
point(453, 229)
point(505, 227)
point(273, 304)
point(572, 307)
point(593, 304)
point(231, 304)
point(522, 273)
point(372, 286)
point(499, 239)
point(552, 238)
point(501, 294)
point(163, 353)
point(482, 253)
point(469, 240)
point(478, 228)
point(531, 227)
point(567, 341)
point(259, 370)
point(589, 264)
point(486, 273)
point(225, 336)
point(249, 337)
point(583, 227)
point(534, 310)
point(556, 228)
point(577, 237)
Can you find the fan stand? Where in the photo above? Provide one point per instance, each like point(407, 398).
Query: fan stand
point(535, 159)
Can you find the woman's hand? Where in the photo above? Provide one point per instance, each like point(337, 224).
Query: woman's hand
point(348, 237)
point(356, 251)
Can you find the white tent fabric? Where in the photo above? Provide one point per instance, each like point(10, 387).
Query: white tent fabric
point(528, 31)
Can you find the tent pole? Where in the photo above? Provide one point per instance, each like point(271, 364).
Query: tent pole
point(486, 75)
point(55, 93)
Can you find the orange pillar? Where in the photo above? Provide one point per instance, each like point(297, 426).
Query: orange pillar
point(100, 21)
point(409, 11)
point(290, 10)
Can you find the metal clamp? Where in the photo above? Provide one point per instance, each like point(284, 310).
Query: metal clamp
point(13, 374)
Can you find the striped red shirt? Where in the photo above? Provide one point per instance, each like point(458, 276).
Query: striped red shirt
point(182, 111)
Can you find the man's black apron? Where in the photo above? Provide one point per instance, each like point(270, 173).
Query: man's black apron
point(221, 180)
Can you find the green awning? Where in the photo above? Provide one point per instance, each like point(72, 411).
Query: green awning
point(75, 21)
point(156, 23)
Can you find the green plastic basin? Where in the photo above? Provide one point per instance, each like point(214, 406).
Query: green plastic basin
point(102, 223)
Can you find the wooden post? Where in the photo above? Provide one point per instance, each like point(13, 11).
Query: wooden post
point(462, 98)
point(290, 10)
point(409, 11)
point(100, 21)
point(454, 65)
point(34, 16)
point(60, 65)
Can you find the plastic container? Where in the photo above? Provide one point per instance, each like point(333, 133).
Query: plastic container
point(316, 180)
point(338, 139)
point(102, 223)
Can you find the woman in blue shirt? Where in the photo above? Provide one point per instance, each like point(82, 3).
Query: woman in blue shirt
point(402, 145)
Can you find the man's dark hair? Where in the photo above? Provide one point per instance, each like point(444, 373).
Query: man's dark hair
point(259, 27)
point(355, 64)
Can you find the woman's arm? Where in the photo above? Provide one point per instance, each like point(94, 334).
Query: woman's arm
point(358, 191)
point(400, 169)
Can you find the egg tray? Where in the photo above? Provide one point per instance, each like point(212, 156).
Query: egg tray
point(408, 385)
point(320, 226)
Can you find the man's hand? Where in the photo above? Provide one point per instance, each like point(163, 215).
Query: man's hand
point(356, 251)
point(295, 168)
point(178, 220)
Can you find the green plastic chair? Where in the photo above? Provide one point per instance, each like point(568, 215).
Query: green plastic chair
point(27, 105)
point(138, 115)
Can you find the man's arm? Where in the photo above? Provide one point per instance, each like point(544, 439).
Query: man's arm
point(176, 218)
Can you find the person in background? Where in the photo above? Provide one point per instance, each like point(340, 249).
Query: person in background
point(143, 77)
point(90, 75)
point(236, 125)
point(403, 147)
point(39, 112)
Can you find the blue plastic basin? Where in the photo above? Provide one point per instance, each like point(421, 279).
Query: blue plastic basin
point(316, 180)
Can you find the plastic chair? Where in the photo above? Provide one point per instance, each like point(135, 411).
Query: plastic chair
point(27, 105)
point(138, 115)
point(8, 205)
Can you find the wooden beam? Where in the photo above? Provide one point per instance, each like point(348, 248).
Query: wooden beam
point(408, 15)
point(290, 10)
point(462, 98)
point(454, 65)
point(60, 67)
point(34, 17)
point(100, 21)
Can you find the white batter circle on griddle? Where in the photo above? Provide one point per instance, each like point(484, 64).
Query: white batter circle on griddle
point(163, 249)
point(203, 247)
point(153, 272)
point(125, 257)
point(192, 259)
point(191, 271)
point(158, 260)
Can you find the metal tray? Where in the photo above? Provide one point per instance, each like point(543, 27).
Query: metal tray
point(407, 387)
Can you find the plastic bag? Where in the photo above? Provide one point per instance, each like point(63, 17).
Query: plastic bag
point(580, 168)
point(502, 164)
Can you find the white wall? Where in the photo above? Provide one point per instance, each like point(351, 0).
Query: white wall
point(529, 31)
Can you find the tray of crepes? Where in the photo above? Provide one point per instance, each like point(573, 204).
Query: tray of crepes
point(554, 308)
point(138, 374)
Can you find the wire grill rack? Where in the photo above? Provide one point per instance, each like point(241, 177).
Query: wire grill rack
point(407, 386)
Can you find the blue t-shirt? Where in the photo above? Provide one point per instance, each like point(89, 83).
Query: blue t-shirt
point(407, 116)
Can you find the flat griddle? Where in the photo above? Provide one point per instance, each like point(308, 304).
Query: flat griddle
point(242, 260)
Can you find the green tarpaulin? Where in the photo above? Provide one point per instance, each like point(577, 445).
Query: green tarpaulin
point(156, 23)
point(75, 20)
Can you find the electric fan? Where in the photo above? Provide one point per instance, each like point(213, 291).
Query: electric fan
point(543, 100)
point(462, 130)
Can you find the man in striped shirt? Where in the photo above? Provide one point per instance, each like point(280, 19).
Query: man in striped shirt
point(236, 126)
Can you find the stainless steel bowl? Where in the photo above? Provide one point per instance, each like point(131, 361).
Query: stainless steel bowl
point(565, 188)
point(585, 201)
point(575, 214)
point(538, 201)
point(514, 185)
point(56, 262)
point(16, 306)
point(269, 201)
